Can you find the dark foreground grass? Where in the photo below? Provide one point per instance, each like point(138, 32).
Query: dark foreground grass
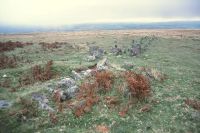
point(179, 59)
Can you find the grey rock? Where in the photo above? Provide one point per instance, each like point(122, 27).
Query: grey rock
point(65, 96)
point(76, 75)
point(96, 51)
point(50, 87)
point(45, 106)
point(102, 64)
point(86, 73)
point(68, 87)
point(5, 104)
point(66, 83)
point(42, 101)
point(72, 91)
point(39, 97)
point(68, 93)
point(195, 116)
point(135, 50)
point(115, 50)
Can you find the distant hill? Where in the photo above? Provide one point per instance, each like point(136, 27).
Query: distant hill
point(102, 26)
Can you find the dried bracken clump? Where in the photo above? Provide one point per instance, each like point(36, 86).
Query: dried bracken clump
point(6, 83)
point(112, 101)
point(53, 117)
point(9, 45)
point(38, 73)
point(57, 98)
point(8, 62)
point(87, 97)
point(193, 103)
point(25, 80)
point(28, 109)
point(138, 85)
point(104, 79)
point(123, 112)
point(45, 46)
point(102, 129)
point(43, 74)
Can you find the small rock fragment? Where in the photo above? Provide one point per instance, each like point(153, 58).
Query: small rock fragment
point(91, 58)
point(145, 108)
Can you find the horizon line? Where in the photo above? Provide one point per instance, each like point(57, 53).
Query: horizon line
point(140, 20)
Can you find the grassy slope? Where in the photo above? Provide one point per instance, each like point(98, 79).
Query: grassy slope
point(178, 58)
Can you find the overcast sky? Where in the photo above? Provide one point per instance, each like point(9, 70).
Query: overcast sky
point(62, 12)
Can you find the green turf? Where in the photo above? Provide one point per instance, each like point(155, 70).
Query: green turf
point(179, 59)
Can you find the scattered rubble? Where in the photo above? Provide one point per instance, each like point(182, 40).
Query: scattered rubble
point(137, 47)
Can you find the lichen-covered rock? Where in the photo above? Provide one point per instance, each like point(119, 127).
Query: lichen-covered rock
point(72, 90)
point(67, 88)
point(66, 83)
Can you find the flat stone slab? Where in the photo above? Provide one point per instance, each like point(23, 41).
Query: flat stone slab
point(5, 104)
